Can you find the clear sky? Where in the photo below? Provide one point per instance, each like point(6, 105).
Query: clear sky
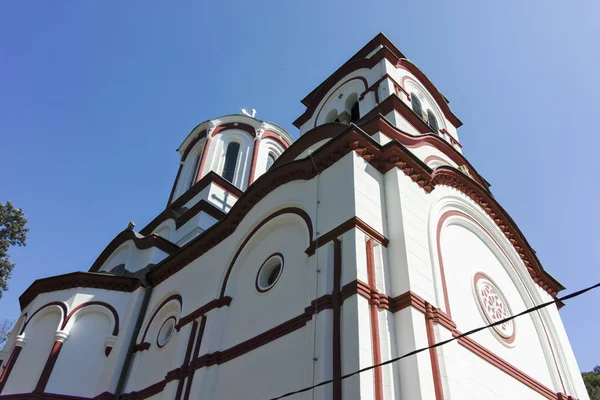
point(95, 96)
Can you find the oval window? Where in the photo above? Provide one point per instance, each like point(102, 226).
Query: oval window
point(165, 332)
point(269, 273)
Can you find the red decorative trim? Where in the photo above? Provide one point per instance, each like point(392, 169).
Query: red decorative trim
point(375, 339)
point(504, 366)
point(77, 280)
point(47, 371)
point(428, 159)
point(379, 40)
point(288, 210)
point(9, 366)
point(383, 158)
point(394, 57)
point(211, 305)
point(202, 205)
point(181, 219)
point(110, 308)
point(321, 132)
point(53, 396)
point(336, 77)
point(188, 386)
point(433, 356)
point(276, 137)
point(59, 304)
point(451, 177)
point(336, 298)
point(359, 78)
point(210, 177)
point(175, 184)
point(234, 125)
point(203, 160)
point(163, 324)
point(141, 347)
point(435, 93)
point(254, 158)
point(147, 392)
point(477, 277)
point(173, 297)
point(141, 243)
point(190, 146)
point(344, 227)
point(256, 285)
point(186, 360)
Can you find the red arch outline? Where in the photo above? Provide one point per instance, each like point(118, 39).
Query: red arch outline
point(176, 297)
point(288, 210)
point(110, 308)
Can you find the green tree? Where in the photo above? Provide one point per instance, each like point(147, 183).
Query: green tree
point(592, 382)
point(12, 233)
point(5, 328)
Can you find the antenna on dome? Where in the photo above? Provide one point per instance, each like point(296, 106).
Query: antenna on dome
point(248, 114)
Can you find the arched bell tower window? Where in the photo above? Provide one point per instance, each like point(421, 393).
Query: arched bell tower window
point(270, 160)
point(231, 156)
point(432, 122)
point(195, 168)
point(354, 113)
point(416, 105)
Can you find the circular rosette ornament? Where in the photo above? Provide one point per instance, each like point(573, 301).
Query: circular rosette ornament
point(494, 307)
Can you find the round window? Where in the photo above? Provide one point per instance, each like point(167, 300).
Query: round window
point(269, 273)
point(165, 332)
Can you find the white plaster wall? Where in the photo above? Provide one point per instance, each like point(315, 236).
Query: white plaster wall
point(39, 341)
point(401, 123)
point(267, 146)
point(312, 148)
point(285, 365)
point(189, 171)
point(133, 258)
point(464, 254)
point(413, 85)
point(151, 366)
point(251, 312)
point(369, 194)
point(79, 366)
point(471, 378)
point(216, 157)
point(331, 100)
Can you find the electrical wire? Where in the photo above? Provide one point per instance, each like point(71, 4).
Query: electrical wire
point(316, 308)
point(412, 353)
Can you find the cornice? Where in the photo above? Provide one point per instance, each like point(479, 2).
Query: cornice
point(389, 52)
point(210, 177)
point(181, 218)
point(383, 158)
point(141, 243)
point(78, 280)
point(451, 177)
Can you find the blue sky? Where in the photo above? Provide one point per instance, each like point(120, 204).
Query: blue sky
point(96, 96)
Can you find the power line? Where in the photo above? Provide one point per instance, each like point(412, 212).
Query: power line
point(412, 353)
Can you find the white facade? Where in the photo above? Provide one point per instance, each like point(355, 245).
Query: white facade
point(366, 239)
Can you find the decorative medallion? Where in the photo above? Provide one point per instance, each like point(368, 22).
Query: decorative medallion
point(494, 307)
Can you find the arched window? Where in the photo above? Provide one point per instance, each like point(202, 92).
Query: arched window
point(416, 105)
point(231, 156)
point(271, 160)
point(354, 113)
point(432, 121)
point(195, 169)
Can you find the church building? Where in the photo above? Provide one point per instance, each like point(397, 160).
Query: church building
point(278, 264)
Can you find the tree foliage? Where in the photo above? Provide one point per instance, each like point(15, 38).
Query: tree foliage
point(12, 233)
point(592, 382)
point(5, 328)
